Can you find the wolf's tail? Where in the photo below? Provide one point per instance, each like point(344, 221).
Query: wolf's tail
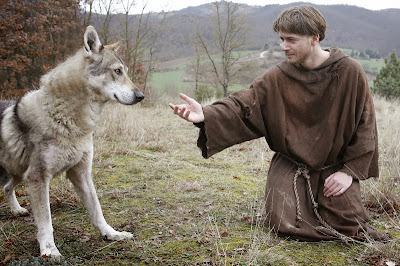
point(4, 176)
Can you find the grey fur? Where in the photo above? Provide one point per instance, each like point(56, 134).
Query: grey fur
point(3, 106)
point(22, 127)
point(50, 131)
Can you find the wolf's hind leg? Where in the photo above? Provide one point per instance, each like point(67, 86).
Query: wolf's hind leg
point(81, 177)
point(9, 190)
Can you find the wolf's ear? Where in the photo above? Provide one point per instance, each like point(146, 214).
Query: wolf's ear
point(115, 46)
point(92, 42)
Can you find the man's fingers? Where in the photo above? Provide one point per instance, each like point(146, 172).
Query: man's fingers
point(181, 111)
point(329, 181)
point(186, 115)
point(190, 111)
point(337, 192)
point(184, 97)
point(187, 99)
point(327, 191)
point(336, 184)
point(328, 185)
point(340, 192)
point(332, 192)
point(176, 110)
point(174, 107)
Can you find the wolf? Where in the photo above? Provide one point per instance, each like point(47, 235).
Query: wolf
point(49, 131)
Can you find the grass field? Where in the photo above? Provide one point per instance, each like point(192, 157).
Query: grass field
point(162, 82)
point(371, 65)
point(171, 82)
point(185, 210)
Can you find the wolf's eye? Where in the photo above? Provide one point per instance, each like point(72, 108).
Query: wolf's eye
point(118, 71)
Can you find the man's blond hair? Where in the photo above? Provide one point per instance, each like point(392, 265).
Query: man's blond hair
point(303, 20)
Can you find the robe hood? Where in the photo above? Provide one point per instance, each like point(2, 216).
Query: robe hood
point(316, 75)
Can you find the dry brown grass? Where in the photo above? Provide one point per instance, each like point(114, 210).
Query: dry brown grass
point(388, 120)
point(154, 128)
point(386, 190)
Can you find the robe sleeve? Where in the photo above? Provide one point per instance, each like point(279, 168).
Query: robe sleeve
point(361, 155)
point(231, 121)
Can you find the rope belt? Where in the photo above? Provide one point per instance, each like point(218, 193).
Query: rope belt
point(303, 170)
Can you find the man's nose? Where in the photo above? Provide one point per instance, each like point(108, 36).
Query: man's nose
point(284, 46)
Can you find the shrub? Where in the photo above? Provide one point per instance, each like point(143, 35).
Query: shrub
point(204, 93)
point(387, 82)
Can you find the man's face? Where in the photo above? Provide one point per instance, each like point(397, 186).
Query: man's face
point(297, 47)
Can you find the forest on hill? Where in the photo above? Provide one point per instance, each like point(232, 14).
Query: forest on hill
point(349, 27)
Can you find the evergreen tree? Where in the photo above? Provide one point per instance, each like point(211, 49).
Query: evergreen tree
point(372, 54)
point(387, 82)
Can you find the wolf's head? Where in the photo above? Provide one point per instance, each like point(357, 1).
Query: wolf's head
point(106, 72)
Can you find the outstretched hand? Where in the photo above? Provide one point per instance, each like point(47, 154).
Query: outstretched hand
point(336, 184)
point(192, 111)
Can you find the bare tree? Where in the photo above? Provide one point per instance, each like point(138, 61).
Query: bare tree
point(141, 33)
point(139, 45)
point(105, 12)
point(102, 12)
point(196, 64)
point(152, 39)
point(197, 68)
point(229, 33)
point(127, 6)
point(87, 15)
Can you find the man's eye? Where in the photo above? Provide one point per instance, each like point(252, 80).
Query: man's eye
point(118, 71)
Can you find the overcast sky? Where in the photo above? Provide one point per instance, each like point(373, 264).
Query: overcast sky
point(168, 5)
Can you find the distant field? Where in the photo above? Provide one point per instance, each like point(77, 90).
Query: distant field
point(371, 65)
point(159, 79)
point(167, 82)
point(170, 82)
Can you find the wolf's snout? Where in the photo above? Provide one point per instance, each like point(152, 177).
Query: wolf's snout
point(139, 96)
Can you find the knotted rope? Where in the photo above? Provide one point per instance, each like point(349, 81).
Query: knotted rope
point(303, 170)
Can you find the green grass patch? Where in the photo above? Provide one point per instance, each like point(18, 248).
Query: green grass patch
point(168, 83)
point(371, 65)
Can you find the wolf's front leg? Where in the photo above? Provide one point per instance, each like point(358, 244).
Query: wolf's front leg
point(81, 177)
point(38, 189)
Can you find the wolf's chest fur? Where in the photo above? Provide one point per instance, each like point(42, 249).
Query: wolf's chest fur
point(56, 137)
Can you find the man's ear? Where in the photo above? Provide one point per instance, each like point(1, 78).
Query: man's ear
point(92, 42)
point(115, 46)
point(315, 39)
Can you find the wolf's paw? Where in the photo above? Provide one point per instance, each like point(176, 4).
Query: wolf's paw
point(51, 253)
point(19, 211)
point(118, 235)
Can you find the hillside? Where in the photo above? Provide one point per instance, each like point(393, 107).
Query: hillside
point(348, 27)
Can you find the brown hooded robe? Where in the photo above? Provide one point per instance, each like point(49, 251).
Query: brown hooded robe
point(321, 120)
